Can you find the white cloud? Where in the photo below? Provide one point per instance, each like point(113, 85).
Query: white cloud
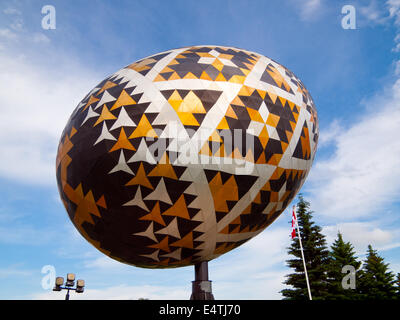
point(14, 29)
point(363, 175)
point(256, 270)
point(361, 234)
point(309, 9)
point(247, 286)
point(17, 25)
point(374, 13)
point(36, 101)
point(328, 135)
point(11, 11)
point(105, 263)
point(378, 12)
point(390, 246)
point(394, 10)
point(13, 271)
point(122, 292)
point(396, 49)
point(40, 38)
point(7, 34)
point(26, 234)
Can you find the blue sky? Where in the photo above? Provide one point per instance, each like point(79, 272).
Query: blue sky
point(353, 76)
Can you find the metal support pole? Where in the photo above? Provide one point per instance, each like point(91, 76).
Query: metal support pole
point(67, 295)
point(201, 286)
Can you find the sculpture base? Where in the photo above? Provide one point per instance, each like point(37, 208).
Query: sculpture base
point(201, 290)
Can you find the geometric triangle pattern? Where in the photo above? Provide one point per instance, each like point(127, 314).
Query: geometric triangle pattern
point(185, 155)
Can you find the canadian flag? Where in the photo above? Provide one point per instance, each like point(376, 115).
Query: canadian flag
point(294, 222)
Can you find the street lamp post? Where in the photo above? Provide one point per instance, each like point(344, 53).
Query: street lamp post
point(69, 284)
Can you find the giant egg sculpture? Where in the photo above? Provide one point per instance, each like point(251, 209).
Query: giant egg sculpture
point(185, 155)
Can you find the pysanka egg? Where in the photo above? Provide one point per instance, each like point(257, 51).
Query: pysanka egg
point(185, 155)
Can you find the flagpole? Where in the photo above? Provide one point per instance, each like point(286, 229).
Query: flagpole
point(302, 254)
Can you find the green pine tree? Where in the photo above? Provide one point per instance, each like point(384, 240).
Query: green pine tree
point(398, 287)
point(341, 254)
point(316, 255)
point(376, 281)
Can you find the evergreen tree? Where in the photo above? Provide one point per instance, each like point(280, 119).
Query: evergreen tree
point(376, 281)
point(398, 287)
point(315, 254)
point(341, 254)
